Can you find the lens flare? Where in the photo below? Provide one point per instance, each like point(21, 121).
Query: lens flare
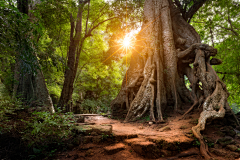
point(126, 42)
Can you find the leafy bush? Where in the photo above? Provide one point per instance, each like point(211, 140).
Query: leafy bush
point(48, 128)
point(95, 106)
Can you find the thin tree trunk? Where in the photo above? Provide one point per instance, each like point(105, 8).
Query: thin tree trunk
point(73, 59)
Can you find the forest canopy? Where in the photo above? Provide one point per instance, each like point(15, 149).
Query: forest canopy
point(217, 22)
point(108, 56)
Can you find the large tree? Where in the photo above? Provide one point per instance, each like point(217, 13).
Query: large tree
point(78, 35)
point(29, 82)
point(168, 50)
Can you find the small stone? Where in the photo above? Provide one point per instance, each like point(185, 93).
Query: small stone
point(150, 123)
point(167, 128)
point(232, 147)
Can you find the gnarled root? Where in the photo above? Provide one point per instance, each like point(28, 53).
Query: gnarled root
point(211, 104)
point(143, 99)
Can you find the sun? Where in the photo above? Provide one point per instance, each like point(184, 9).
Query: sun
point(126, 42)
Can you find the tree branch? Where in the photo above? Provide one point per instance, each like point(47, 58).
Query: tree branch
point(194, 8)
point(99, 15)
point(90, 30)
point(230, 29)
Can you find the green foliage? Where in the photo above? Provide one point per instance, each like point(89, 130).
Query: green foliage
point(196, 142)
point(48, 128)
point(144, 119)
point(218, 24)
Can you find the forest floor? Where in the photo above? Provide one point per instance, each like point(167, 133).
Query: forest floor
point(143, 140)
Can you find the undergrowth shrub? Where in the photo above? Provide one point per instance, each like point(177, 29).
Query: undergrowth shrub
point(48, 132)
point(40, 134)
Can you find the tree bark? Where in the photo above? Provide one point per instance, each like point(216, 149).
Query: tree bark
point(164, 30)
point(156, 78)
point(76, 43)
point(30, 86)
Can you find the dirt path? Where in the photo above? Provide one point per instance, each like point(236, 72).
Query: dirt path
point(142, 141)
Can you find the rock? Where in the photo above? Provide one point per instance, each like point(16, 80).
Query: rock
point(172, 143)
point(167, 128)
point(232, 147)
point(218, 152)
point(146, 148)
point(98, 129)
point(224, 153)
point(150, 123)
point(102, 129)
point(97, 139)
point(225, 141)
point(85, 129)
point(229, 130)
point(115, 148)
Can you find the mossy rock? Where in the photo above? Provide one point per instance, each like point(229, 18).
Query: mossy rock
point(225, 141)
point(232, 147)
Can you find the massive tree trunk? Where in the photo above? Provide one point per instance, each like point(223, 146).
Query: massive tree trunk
point(29, 85)
point(166, 47)
point(155, 73)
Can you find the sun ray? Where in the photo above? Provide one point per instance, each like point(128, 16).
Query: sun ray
point(112, 54)
point(139, 53)
point(115, 45)
point(147, 47)
point(133, 58)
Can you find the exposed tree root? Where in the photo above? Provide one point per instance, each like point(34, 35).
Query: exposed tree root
point(196, 103)
point(216, 101)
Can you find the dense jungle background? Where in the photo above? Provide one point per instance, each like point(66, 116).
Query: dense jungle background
point(64, 57)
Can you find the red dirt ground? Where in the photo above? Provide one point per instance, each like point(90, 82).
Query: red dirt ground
point(180, 130)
